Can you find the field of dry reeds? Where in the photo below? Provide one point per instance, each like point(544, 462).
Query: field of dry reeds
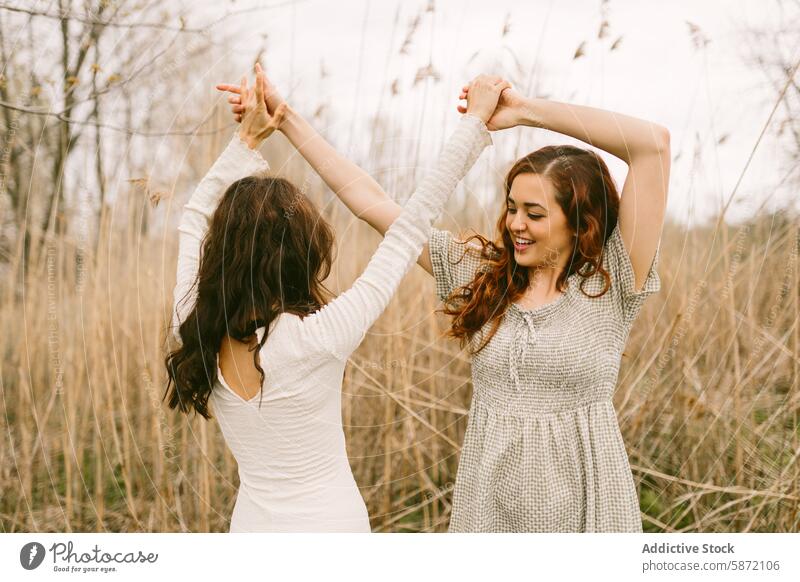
point(708, 398)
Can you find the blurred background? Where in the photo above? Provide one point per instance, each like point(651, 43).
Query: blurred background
point(109, 118)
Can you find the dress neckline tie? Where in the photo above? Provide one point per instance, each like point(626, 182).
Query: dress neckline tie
point(524, 334)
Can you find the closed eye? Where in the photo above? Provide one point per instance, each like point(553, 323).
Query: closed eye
point(531, 216)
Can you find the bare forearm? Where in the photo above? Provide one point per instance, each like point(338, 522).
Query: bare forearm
point(621, 135)
point(358, 190)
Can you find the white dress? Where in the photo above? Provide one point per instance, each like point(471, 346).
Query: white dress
point(293, 468)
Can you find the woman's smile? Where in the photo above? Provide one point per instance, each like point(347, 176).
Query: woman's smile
point(521, 243)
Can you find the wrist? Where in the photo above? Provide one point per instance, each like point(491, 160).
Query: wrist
point(479, 115)
point(252, 141)
point(528, 112)
point(479, 120)
point(291, 119)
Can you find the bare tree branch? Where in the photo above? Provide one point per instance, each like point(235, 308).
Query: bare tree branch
point(126, 130)
point(68, 15)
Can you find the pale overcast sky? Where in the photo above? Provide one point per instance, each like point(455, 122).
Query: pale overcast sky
point(655, 73)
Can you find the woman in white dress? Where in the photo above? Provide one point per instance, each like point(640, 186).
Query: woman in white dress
point(256, 342)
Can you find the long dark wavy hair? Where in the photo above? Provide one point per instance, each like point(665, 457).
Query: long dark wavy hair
point(267, 251)
point(589, 199)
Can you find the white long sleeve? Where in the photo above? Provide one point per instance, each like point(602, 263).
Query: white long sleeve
point(236, 162)
point(341, 325)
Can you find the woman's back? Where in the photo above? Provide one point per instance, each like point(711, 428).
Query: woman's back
point(288, 441)
point(236, 365)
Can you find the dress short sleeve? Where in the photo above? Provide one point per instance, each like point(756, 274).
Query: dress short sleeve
point(454, 263)
point(617, 262)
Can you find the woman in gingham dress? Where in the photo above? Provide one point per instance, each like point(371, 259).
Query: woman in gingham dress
point(545, 310)
point(547, 320)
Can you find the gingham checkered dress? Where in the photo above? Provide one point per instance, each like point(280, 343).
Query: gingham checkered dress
point(543, 450)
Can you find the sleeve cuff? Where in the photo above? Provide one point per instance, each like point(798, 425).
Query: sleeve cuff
point(243, 152)
point(480, 126)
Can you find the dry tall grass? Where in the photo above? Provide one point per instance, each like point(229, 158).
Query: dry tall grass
point(708, 397)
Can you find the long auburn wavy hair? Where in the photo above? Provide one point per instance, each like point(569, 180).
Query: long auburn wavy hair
point(589, 199)
point(267, 251)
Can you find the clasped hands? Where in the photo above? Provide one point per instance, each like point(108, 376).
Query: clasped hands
point(258, 120)
point(261, 109)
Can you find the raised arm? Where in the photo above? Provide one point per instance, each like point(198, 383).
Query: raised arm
point(355, 188)
point(643, 145)
point(342, 324)
point(358, 190)
point(239, 160)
